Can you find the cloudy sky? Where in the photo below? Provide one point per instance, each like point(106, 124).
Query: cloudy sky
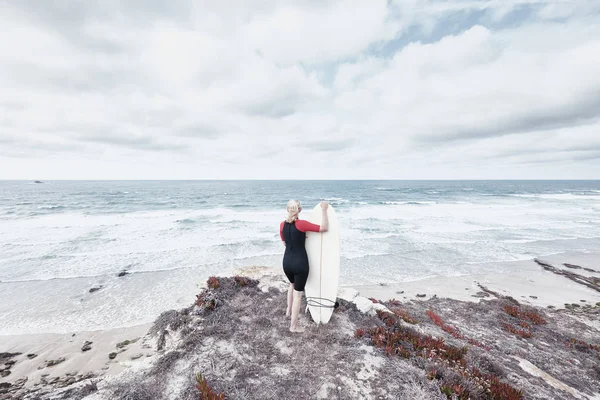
point(409, 89)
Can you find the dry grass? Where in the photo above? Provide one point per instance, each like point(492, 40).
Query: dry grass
point(242, 348)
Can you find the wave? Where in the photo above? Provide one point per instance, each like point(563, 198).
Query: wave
point(186, 221)
point(142, 271)
point(248, 241)
point(53, 207)
point(356, 256)
point(557, 196)
point(413, 203)
point(53, 278)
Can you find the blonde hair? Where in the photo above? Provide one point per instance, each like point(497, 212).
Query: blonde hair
point(293, 209)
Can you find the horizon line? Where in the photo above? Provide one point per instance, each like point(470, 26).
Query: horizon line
point(298, 180)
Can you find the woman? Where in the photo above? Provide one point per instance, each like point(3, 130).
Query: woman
point(295, 260)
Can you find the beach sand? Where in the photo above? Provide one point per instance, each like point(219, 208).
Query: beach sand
point(532, 285)
point(53, 347)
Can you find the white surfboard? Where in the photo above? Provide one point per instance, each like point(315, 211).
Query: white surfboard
point(323, 249)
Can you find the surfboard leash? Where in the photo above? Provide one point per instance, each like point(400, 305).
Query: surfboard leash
point(314, 301)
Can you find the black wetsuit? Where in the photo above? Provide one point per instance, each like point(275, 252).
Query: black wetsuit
point(295, 259)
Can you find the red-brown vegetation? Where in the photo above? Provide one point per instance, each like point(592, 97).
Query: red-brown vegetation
point(406, 317)
point(205, 301)
point(396, 339)
point(582, 345)
point(524, 333)
point(206, 393)
point(452, 330)
point(528, 315)
point(405, 342)
point(241, 281)
point(213, 282)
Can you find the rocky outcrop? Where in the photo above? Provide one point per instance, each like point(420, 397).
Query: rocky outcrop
point(591, 282)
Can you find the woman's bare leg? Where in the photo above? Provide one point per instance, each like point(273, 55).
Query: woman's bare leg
point(297, 303)
point(290, 299)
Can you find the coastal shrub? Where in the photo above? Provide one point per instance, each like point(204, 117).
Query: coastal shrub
point(165, 363)
point(359, 333)
point(501, 391)
point(206, 300)
point(139, 388)
point(524, 333)
point(533, 317)
point(444, 363)
point(171, 319)
point(489, 386)
point(452, 330)
point(530, 315)
point(373, 300)
point(406, 317)
point(241, 281)
point(513, 311)
point(582, 345)
point(522, 320)
point(386, 317)
point(394, 302)
point(206, 393)
point(396, 339)
point(88, 389)
point(455, 392)
point(212, 282)
point(220, 290)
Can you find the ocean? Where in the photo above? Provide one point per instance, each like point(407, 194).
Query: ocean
point(59, 239)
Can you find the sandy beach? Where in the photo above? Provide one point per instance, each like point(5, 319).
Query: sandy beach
point(532, 285)
point(50, 357)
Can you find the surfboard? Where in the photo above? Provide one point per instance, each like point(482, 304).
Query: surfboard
point(323, 249)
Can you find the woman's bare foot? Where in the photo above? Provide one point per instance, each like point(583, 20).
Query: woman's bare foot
point(297, 329)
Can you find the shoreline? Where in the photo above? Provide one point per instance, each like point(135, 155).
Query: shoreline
point(143, 352)
point(531, 284)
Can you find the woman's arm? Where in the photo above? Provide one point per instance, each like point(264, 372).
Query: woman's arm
point(305, 226)
point(281, 232)
point(324, 220)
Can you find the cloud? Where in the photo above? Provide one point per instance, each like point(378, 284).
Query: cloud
point(136, 142)
point(288, 89)
point(331, 145)
point(199, 130)
point(582, 111)
point(480, 83)
point(319, 32)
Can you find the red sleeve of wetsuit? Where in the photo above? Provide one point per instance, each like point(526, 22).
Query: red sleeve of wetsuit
point(305, 226)
point(281, 231)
